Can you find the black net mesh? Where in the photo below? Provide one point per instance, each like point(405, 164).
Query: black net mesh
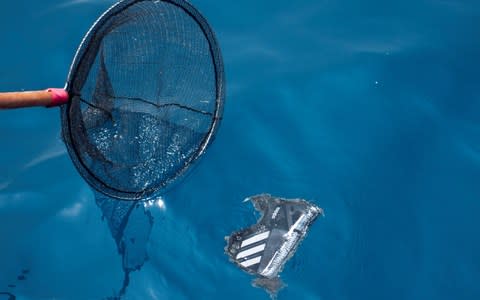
point(147, 95)
point(130, 224)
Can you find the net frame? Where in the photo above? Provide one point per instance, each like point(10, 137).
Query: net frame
point(81, 60)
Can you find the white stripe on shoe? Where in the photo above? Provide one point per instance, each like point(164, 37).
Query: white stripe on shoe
point(255, 238)
point(251, 262)
point(251, 251)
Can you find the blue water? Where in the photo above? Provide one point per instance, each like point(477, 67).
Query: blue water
point(370, 109)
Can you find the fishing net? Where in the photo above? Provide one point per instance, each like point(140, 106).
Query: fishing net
point(147, 94)
point(130, 224)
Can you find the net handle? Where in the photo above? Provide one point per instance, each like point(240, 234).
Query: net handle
point(46, 98)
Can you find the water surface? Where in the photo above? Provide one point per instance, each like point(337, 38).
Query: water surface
point(369, 109)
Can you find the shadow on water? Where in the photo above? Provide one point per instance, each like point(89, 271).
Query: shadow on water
point(21, 277)
point(7, 296)
point(130, 224)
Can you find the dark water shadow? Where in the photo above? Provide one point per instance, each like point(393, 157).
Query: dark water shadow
point(21, 277)
point(130, 224)
point(7, 296)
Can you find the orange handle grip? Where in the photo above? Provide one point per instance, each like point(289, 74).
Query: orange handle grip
point(47, 98)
